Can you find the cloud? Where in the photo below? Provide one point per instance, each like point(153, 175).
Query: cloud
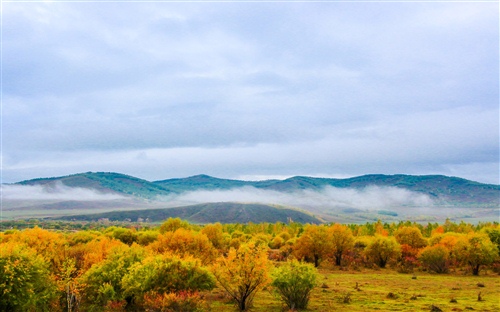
point(327, 198)
point(250, 89)
point(57, 192)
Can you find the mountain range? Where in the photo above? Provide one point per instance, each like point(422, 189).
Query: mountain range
point(132, 192)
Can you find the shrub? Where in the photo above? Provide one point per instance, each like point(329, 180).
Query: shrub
point(173, 302)
point(165, 274)
point(435, 258)
point(293, 282)
point(243, 273)
point(25, 282)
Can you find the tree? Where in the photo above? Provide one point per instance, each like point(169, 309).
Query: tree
point(411, 236)
point(313, 245)
point(475, 250)
point(25, 281)
point(163, 274)
point(103, 281)
point(171, 225)
point(215, 234)
point(383, 249)
point(435, 258)
point(184, 242)
point(243, 273)
point(342, 240)
point(294, 281)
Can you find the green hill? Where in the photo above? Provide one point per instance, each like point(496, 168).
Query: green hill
point(207, 213)
point(449, 191)
point(105, 182)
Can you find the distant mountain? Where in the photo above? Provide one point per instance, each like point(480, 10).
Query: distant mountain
point(104, 182)
point(444, 190)
point(207, 213)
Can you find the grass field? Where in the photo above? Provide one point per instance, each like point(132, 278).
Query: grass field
point(386, 290)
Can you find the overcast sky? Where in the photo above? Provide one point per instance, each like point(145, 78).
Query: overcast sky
point(250, 90)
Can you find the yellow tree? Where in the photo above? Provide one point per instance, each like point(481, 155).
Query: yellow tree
point(184, 242)
point(341, 239)
point(382, 249)
point(313, 245)
point(411, 236)
point(475, 250)
point(243, 273)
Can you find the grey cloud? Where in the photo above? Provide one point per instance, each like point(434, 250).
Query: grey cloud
point(242, 89)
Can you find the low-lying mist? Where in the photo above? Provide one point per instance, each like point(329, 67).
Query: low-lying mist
point(368, 198)
point(55, 192)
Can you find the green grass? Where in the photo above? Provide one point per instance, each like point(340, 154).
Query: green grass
point(374, 287)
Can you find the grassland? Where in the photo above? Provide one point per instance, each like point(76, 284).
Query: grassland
point(386, 290)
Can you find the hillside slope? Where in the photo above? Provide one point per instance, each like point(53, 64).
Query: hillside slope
point(104, 182)
point(207, 213)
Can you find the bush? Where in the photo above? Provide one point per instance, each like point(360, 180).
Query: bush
point(173, 302)
point(166, 274)
point(293, 282)
point(435, 258)
point(25, 282)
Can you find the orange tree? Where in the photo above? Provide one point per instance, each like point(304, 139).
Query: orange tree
point(314, 244)
point(243, 273)
point(341, 239)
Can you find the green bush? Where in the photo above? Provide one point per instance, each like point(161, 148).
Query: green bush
point(165, 274)
point(293, 282)
point(25, 282)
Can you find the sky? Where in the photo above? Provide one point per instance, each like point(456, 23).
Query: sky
point(252, 91)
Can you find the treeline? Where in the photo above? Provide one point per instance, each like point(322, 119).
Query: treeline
point(170, 267)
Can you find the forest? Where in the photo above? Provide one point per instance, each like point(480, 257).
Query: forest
point(179, 266)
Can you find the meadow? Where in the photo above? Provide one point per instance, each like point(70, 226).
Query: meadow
point(177, 266)
point(385, 290)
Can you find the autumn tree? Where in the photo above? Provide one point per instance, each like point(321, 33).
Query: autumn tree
point(173, 224)
point(435, 258)
point(184, 242)
point(411, 236)
point(25, 281)
point(215, 235)
point(313, 245)
point(103, 281)
point(382, 249)
point(475, 250)
point(164, 274)
point(341, 239)
point(243, 273)
point(293, 282)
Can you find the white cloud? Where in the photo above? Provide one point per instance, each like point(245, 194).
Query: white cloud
point(58, 191)
point(327, 198)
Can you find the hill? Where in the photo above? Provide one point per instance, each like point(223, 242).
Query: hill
point(207, 213)
point(104, 182)
point(443, 189)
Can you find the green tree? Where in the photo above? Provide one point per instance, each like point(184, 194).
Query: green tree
point(25, 281)
point(163, 274)
point(103, 281)
point(293, 282)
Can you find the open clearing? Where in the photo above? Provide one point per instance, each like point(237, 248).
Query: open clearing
point(386, 290)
